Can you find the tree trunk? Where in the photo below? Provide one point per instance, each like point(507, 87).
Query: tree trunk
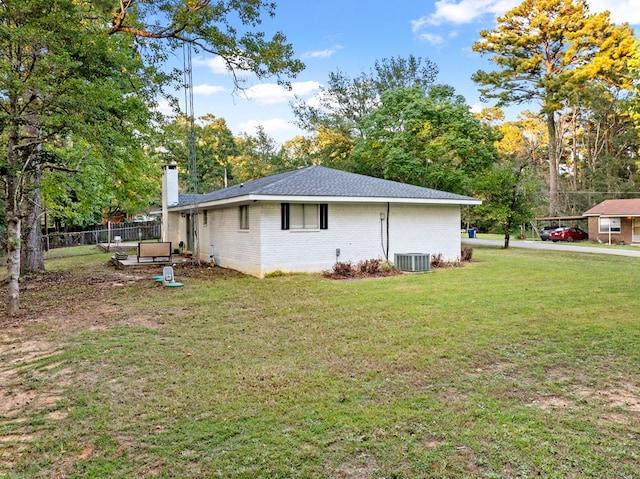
point(507, 234)
point(554, 163)
point(13, 189)
point(33, 254)
point(13, 263)
point(33, 257)
point(14, 224)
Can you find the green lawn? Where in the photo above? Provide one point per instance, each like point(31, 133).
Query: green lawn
point(519, 364)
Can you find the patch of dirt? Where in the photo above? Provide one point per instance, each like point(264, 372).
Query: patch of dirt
point(26, 390)
point(550, 402)
point(624, 397)
point(56, 305)
point(431, 442)
point(363, 469)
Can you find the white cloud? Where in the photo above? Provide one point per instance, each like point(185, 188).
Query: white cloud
point(417, 25)
point(431, 38)
point(458, 12)
point(272, 93)
point(215, 64)
point(326, 53)
point(165, 107)
point(279, 129)
point(467, 11)
point(206, 89)
point(477, 107)
point(621, 10)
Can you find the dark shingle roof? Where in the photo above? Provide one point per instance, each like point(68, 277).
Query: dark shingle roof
point(320, 181)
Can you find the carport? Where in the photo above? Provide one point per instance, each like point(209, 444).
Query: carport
point(557, 221)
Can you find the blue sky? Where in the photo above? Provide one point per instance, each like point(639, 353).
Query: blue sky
point(350, 36)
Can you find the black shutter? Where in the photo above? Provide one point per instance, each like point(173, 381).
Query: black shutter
point(284, 216)
point(324, 216)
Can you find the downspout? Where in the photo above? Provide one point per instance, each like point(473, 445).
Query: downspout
point(385, 249)
point(386, 253)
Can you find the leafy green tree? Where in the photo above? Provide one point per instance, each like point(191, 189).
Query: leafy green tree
point(214, 150)
point(510, 189)
point(548, 51)
point(101, 184)
point(62, 78)
point(508, 193)
point(341, 105)
point(345, 102)
point(433, 140)
point(75, 69)
point(298, 152)
point(215, 147)
point(399, 72)
point(228, 29)
point(258, 156)
point(603, 144)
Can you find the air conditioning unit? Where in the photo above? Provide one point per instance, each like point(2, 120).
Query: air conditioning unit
point(412, 262)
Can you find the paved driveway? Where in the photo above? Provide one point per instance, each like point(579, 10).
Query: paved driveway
point(550, 245)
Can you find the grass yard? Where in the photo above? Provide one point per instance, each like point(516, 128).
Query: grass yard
point(520, 364)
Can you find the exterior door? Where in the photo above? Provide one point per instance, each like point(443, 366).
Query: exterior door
point(189, 241)
point(635, 237)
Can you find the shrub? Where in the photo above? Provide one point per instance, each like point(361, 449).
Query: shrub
point(437, 261)
point(343, 270)
point(368, 267)
point(467, 254)
point(363, 269)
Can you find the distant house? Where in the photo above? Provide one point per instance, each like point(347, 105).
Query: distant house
point(615, 221)
point(307, 219)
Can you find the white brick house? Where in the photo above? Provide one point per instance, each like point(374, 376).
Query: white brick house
point(305, 220)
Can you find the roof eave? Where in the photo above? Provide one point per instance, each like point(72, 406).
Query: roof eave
point(329, 199)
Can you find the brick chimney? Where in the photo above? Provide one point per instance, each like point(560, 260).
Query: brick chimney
point(169, 194)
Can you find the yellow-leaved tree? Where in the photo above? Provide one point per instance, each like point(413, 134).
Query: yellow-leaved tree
point(549, 51)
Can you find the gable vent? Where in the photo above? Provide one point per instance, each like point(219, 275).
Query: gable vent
point(412, 262)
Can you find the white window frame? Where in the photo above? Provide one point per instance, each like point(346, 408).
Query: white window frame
point(307, 215)
point(304, 216)
point(243, 217)
point(609, 224)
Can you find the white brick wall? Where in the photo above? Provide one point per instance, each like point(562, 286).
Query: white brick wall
point(359, 233)
point(231, 247)
point(425, 229)
point(356, 229)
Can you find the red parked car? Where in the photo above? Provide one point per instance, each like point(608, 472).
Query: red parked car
point(568, 234)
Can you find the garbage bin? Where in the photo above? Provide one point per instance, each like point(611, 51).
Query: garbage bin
point(471, 232)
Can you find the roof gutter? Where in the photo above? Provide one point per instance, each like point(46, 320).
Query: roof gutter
point(328, 199)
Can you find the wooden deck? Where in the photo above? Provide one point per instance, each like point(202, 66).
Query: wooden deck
point(131, 261)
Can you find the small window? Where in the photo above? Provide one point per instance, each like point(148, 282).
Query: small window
point(609, 225)
point(302, 216)
point(204, 218)
point(244, 217)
